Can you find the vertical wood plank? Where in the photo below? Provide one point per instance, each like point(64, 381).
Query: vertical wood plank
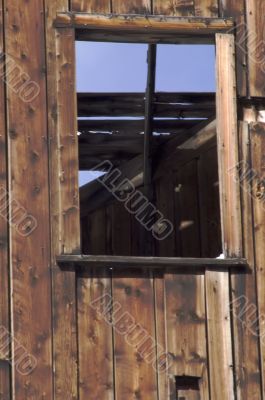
point(206, 8)
point(5, 381)
point(256, 47)
point(131, 7)
point(219, 335)
point(64, 202)
point(135, 351)
point(186, 328)
point(65, 180)
point(95, 338)
point(184, 293)
point(165, 197)
point(91, 6)
point(217, 284)
point(28, 166)
point(95, 331)
point(236, 9)
point(135, 377)
point(257, 131)
point(227, 138)
point(178, 8)
point(243, 286)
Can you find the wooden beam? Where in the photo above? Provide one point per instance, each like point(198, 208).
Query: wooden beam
point(132, 126)
point(144, 27)
point(171, 105)
point(149, 123)
point(70, 261)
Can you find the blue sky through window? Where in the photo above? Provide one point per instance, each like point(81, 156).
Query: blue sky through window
point(122, 67)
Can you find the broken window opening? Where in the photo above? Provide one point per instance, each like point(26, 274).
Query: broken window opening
point(154, 153)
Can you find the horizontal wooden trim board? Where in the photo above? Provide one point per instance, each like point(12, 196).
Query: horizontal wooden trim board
point(139, 25)
point(72, 261)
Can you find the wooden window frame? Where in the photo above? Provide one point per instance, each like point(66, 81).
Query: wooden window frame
point(167, 30)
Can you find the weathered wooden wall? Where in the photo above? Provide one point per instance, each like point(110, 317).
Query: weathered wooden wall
point(40, 304)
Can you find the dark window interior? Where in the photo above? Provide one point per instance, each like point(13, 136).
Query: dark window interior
point(187, 388)
point(148, 170)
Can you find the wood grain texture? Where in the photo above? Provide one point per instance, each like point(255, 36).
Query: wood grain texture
point(227, 138)
point(28, 166)
point(65, 229)
point(95, 334)
point(219, 338)
point(5, 378)
point(144, 28)
point(134, 322)
point(91, 6)
point(184, 294)
point(255, 10)
point(236, 10)
point(217, 285)
point(243, 286)
point(257, 131)
point(65, 178)
point(131, 7)
point(178, 8)
point(206, 8)
point(135, 352)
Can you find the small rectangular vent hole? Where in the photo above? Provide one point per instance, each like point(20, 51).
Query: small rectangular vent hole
point(187, 387)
